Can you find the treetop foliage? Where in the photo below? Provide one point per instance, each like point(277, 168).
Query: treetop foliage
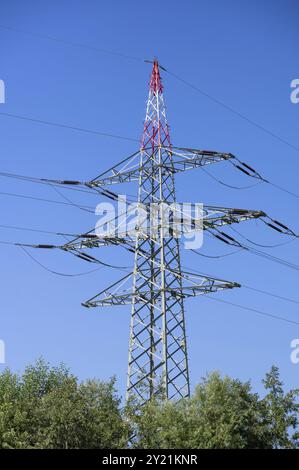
point(47, 407)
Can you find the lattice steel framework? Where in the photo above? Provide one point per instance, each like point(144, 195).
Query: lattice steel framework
point(158, 359)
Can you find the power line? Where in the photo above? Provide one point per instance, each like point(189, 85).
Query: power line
point(291, 193)
point(140, 59)
point(74, 44)
point(251, 309)
point(23, 196)
point(74, 252)
point(259, 244)
point(14, 227)
point(90, 131)
point(57, 183)
point(282, 261)
point(71, 202)
point(33, 179)
point(232, 110)
point(270, 294)
point(264, 292)
point(254, 310)
point(56, 272)
point(250, 249)
point(61, 184)
point(217, 256)
point(254, 174)
point(274, 259)
point(233, 242)
point(229, 185)
point(194, 251)
point(4, 242)
point(261, 180)
point(66, 126)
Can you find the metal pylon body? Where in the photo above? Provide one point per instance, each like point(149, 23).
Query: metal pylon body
point(158, 362)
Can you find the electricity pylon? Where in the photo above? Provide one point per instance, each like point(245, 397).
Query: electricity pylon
point(158, 359)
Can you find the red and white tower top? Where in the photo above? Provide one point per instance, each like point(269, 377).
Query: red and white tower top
point(156, 82)
point(155, 131)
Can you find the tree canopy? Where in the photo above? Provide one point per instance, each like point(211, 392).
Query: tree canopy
point(47, 407)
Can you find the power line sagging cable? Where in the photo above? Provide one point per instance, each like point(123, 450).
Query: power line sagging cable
point(66, 126)
point(228, 240)
point(276, 245)
point(254, 310)
point(56, 272)
point(254, 289)
point(71, 43)
point(232, 110)
point(51, 201)
point(229, 185)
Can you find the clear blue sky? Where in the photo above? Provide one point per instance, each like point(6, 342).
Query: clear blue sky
point(242, 53)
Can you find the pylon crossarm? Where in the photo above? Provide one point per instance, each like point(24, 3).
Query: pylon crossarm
point(184, 159)
point(220, 216)
point(212, 217)
point(181, 159)
point(193, 285)
point(129, 168)
point(109, 292)
point(97, 242)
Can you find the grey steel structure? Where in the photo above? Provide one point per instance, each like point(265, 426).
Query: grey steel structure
point(158, 287)
point(158, 359)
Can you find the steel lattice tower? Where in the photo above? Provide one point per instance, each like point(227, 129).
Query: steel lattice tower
point(158, 360)
point(158, 286)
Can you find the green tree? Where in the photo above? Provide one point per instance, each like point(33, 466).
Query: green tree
point(222, 413)
point(10, 416)
point(105, 426)
point(48, 408)
point(225, 413)
point(281, 412)
point(83, 416)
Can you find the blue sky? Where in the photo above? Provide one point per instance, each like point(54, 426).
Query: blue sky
point(242, 53)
